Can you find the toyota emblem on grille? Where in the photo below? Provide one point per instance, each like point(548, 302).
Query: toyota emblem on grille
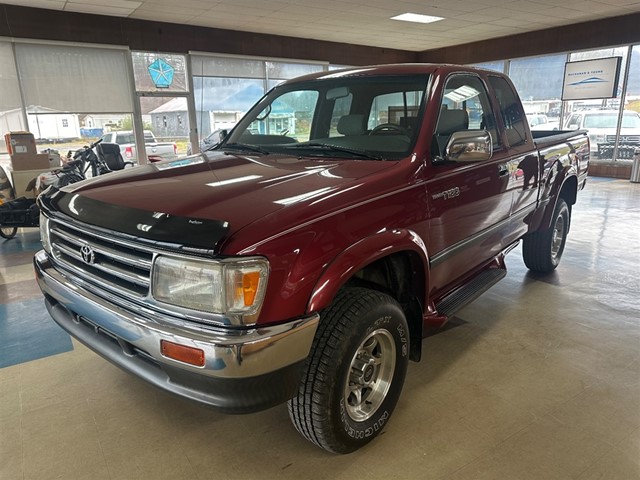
point(88, 255)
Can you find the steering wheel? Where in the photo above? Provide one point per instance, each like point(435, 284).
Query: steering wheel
point(388, 127)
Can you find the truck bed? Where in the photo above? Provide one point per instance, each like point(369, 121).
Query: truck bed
point(546, 138)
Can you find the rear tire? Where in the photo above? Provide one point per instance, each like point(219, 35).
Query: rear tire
point(543, 250)
point(354, 373)
point(8, 232)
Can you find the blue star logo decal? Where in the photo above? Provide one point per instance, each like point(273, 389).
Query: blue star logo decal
point(161, 73)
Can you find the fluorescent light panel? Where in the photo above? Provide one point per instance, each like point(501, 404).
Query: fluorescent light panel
point(417, 18)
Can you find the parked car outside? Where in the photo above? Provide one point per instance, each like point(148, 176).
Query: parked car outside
point(127, 141)
point(602, 125)
point(539, 121)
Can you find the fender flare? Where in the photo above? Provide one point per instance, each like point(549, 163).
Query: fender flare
point(559, 182)
point(359, 255)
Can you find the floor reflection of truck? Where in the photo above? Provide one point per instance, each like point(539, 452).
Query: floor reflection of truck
point(127, 142)
point(602, 125)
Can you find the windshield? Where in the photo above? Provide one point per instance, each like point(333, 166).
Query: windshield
point(610, 120)
point(350, 117)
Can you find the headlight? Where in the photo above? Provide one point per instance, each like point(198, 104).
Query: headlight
point(226, 287)
point(44, 233)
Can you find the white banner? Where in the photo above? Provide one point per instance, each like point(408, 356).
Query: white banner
point(589, 79)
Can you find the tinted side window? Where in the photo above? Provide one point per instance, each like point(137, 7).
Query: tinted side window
point(465, 106)
point(573, 122)
point(511, 111)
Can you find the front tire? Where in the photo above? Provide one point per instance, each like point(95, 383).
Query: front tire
point(543, 250)
point(355, 371)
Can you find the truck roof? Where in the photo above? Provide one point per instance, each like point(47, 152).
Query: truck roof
point(391, 69)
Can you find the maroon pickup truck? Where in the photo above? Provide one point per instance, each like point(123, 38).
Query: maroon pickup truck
point(303, 257)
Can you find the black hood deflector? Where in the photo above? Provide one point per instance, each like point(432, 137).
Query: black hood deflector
point(157, 226)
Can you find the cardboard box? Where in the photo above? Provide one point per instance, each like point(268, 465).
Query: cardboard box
point(21, 180)
point(20, 143)
point(30, 161)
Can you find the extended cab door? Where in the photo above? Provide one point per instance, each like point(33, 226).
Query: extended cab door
point(469, 203)
point(523, 160)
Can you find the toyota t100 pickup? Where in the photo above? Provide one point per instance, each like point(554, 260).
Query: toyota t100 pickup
point(303, 257)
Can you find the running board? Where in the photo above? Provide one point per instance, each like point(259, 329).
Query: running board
point(469, 292)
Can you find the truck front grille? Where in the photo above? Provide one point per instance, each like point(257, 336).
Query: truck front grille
point(106, 262)
point(624, 138)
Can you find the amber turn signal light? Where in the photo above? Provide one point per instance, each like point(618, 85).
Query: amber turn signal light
point(182, 353)
point(250, 287)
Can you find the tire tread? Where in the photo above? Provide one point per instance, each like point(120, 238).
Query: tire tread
point(306, 409)
point(536, 247)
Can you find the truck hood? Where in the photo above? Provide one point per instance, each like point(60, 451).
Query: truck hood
point(202, 199)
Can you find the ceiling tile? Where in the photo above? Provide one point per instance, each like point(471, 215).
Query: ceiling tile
point(363, 22)
point(99, 9)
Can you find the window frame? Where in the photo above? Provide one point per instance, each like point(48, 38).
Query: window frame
point(497, 141)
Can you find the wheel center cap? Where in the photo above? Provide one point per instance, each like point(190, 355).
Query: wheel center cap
point(368, 373)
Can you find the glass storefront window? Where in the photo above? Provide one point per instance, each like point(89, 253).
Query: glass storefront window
point(226, 87)
point(538, 81)
point(159, 72)
point(630, 136)
point(64, 131)
point(221, 102)
point(11, 117)
point(600, 116)
point(212, 66)
point(166, 123)
point(285, 71)
point(73, 94)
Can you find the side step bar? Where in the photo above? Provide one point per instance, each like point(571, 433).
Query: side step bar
point(470, 291)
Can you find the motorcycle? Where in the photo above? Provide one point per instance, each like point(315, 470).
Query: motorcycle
point(23, 211)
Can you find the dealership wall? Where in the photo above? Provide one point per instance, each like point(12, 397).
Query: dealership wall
point(34, 23)
point(602, 33)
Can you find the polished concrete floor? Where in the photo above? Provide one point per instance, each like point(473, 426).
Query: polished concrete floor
point(538, 379)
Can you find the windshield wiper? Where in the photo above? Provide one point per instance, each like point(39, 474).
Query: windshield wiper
point(243, 147)
point(327, 147)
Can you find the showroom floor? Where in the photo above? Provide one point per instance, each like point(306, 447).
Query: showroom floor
point(538, 379)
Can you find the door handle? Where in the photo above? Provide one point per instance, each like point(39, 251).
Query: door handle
point(503, 171)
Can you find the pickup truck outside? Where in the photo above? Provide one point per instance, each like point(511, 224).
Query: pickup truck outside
point(127, 142)
point(601, 126)
point(306, 266)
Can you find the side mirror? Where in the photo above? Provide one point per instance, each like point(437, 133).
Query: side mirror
point(469, 146)
point(223, 134)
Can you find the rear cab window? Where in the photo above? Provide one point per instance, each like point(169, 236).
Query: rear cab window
point(511, 111)
point(125, 138)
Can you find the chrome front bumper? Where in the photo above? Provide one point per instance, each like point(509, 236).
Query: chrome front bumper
point(245, 369)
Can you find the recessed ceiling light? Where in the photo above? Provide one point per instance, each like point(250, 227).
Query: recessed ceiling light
point(417, 18)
